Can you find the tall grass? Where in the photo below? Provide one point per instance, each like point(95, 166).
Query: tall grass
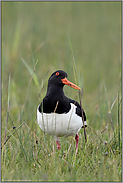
point(39, 154)
point(77, 81)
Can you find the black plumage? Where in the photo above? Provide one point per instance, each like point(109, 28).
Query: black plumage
point(55, 94)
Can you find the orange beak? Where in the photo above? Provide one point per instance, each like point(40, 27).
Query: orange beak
point(67, 82)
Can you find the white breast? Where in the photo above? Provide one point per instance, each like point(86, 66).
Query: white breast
point(60, 125)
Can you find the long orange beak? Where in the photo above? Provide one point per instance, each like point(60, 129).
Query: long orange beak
point(67, 82)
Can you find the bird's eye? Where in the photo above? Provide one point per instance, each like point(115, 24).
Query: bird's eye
point(57, 73)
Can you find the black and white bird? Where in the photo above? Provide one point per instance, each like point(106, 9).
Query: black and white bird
point(58, 115)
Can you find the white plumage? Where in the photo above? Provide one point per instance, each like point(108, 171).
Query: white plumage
point(60, 125)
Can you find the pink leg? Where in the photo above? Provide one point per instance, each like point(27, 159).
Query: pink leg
point(58, 144)
point(77, 140)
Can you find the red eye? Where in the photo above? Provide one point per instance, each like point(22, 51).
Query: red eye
point(57, 73)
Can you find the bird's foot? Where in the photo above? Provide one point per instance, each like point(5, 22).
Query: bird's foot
point(58, 144)
point(77, 140)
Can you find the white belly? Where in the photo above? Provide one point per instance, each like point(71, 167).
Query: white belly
point(60, 125)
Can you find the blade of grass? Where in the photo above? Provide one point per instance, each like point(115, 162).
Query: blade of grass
point(8, 104)
point(19, 140)
point(19, 137)
point(33, 75)
point(95, 133)
point(74, 64)
point(11, 135)
point(114, 102)
point(109, 110)
point(118, 123)
point(16, 37)
point(80, 92)
point(80, 98)
point(9, 131)
point(106, 96)
point(37, 137)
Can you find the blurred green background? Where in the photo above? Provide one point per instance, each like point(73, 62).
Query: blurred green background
point(41, 31)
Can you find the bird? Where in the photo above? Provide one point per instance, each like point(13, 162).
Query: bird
point(58, 115)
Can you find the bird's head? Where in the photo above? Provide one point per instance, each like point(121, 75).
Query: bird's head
point(59, 78)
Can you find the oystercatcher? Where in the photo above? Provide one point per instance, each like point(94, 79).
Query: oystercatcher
point(58, 115)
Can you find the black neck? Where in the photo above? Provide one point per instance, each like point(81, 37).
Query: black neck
point(55, 94)
point(55, 91)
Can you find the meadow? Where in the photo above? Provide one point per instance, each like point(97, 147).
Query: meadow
point(37, 39)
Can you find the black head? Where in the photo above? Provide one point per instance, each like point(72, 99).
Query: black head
point(59, 79)
point(55, 78)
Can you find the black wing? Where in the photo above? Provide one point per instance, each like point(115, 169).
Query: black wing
point(78, 109)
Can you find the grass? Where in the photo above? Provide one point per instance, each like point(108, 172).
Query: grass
point(37, 44)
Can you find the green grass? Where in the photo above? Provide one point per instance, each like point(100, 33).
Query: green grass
point(37, 39)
